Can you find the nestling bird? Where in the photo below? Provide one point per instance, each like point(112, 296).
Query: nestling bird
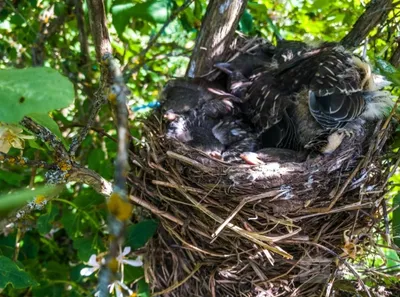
point(181, 96)
point(257, 55)
point(207, 134)
point(202, 115)
point(315, 95)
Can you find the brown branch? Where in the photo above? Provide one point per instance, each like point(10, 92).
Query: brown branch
point(375, 13)
point(216, 35)
point(98, 130)
point(153, 40)
point(119, 207)
point(22, 161)
point(83, 38)
point(46, 136)
point(91, 178)
point(98, 25)
point(395, 58)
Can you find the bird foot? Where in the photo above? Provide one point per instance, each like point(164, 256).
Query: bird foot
point(216, 155)
point(345, 132)
point(336, 139)
point(251, 158)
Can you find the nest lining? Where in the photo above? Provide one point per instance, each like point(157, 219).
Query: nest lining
point(279, 229)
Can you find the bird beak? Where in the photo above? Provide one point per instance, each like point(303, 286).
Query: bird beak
point(170, 116)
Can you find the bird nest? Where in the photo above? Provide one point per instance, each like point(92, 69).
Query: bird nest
point(279, 229)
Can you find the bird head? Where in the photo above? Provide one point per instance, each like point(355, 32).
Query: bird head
point(178, 129)
point(170, 115)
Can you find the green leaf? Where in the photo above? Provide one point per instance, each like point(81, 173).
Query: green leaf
point(132, 273)
point(390, 72)
point(70, 221)
point(56, 270)
point(44, 223)
point(88, 199)
point(396, 220)
point(25, 91)
point(198, 9)
point(86, 247)
point(143, 289)
point(154, 11)
point(11, 274)
point(46, 121)
point(140, 233)
point(246, 22)
point(11, 178)
point(33, 144)
point(48, 289)
point(16, 199)
point(321, 4)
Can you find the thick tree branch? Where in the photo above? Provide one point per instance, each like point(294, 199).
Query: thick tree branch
point(216, 34)
point(395, 58)
point(98, 25)
point(375, 13)
point(91, 178)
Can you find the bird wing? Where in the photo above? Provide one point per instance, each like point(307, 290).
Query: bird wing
point(336, 95)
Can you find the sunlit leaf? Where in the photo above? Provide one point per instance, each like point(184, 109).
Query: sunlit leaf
point(32, 90)
point(155, 11)
point(396, 220)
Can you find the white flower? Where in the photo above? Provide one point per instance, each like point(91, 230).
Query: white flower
point(11, 136)
point(95, 265)
point(121, 258)
point(117, 287)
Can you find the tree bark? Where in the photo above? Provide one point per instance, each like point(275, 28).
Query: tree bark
point(98, 25)
point(395, 58)
point(376, 12)
point(216, 34)
point(83, 39)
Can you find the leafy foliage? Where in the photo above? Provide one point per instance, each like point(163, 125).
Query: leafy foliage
point(58, 237)
point(25, 91)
